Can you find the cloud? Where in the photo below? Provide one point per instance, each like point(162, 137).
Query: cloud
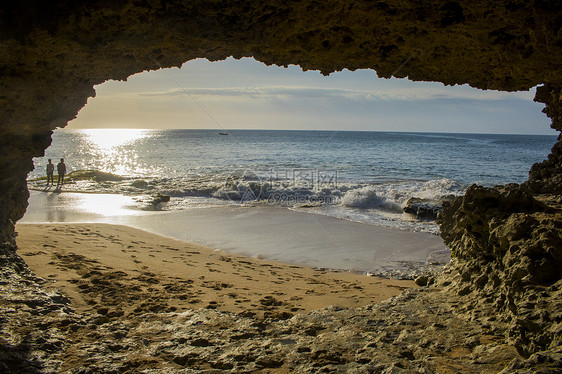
point(247, 94)
point(288, 92)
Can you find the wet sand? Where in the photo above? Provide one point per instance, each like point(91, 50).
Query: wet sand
point(267, 232)
point(119, 270)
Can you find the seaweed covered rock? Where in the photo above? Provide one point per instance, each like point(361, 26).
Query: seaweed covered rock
point(96, 175)
point(425, 209)
point(159, 199)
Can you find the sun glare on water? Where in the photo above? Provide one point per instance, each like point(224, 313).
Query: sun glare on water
point(108, 139)
point(115, 150)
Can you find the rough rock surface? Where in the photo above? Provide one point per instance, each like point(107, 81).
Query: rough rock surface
point(30, 320)
point(502, 291)
point(507, 244)
point(546, 177)
point(419, 331)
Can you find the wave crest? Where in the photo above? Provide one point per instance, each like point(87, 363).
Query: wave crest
point(366, 197)
point(393, 196)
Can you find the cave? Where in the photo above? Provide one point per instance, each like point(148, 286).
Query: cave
point(54, 54)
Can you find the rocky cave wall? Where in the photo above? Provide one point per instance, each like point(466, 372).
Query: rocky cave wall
point(53, 53)
point(506, 241)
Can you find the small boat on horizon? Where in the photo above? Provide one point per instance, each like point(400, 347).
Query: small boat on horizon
point(223, 133)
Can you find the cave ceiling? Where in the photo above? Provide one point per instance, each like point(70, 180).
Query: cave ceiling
point(53, 53)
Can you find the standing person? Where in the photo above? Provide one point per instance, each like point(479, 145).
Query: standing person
point(50, 171)
point(61, 169)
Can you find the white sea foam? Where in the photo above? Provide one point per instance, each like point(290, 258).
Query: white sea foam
point(379, 204)
point(367, 197)
point(393, 196)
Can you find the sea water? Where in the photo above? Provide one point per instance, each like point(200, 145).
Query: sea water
point(359, 176)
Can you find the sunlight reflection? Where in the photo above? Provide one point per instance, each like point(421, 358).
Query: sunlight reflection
point(105, 205)
point(107, 139)
point(115, 150)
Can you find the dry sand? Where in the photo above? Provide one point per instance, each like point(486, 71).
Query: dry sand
point(118, 270)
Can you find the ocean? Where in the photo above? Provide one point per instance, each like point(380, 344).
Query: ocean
point(358, 176)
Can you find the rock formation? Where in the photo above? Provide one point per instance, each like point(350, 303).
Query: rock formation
point(507, 245)
point(53, 55)
point(506, 240)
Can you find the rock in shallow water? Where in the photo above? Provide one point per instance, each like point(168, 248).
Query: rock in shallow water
point(425, 209)
point(422, 209)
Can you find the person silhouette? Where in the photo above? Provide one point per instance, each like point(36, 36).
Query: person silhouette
point(61, 169)
point(50, 171)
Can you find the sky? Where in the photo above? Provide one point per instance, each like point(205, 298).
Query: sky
point(247, 94)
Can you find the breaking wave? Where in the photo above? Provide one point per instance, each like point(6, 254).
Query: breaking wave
point(357, 201)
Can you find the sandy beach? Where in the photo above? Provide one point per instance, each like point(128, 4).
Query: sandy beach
point(267, 232)
point(116, 270)
point(147, 303)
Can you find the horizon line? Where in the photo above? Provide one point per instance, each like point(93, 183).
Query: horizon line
point(302, 130)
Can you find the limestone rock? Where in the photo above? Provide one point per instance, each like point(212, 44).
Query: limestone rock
point(508, 248)
point(51, 56)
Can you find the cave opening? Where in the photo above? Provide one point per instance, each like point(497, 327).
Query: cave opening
point(386, 141)
point(500, 300)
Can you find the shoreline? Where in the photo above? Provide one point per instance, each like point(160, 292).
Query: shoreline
point(116, 269)
point(273, 233)
point(380, 203)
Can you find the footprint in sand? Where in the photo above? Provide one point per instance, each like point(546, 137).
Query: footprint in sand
point(35, 253)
